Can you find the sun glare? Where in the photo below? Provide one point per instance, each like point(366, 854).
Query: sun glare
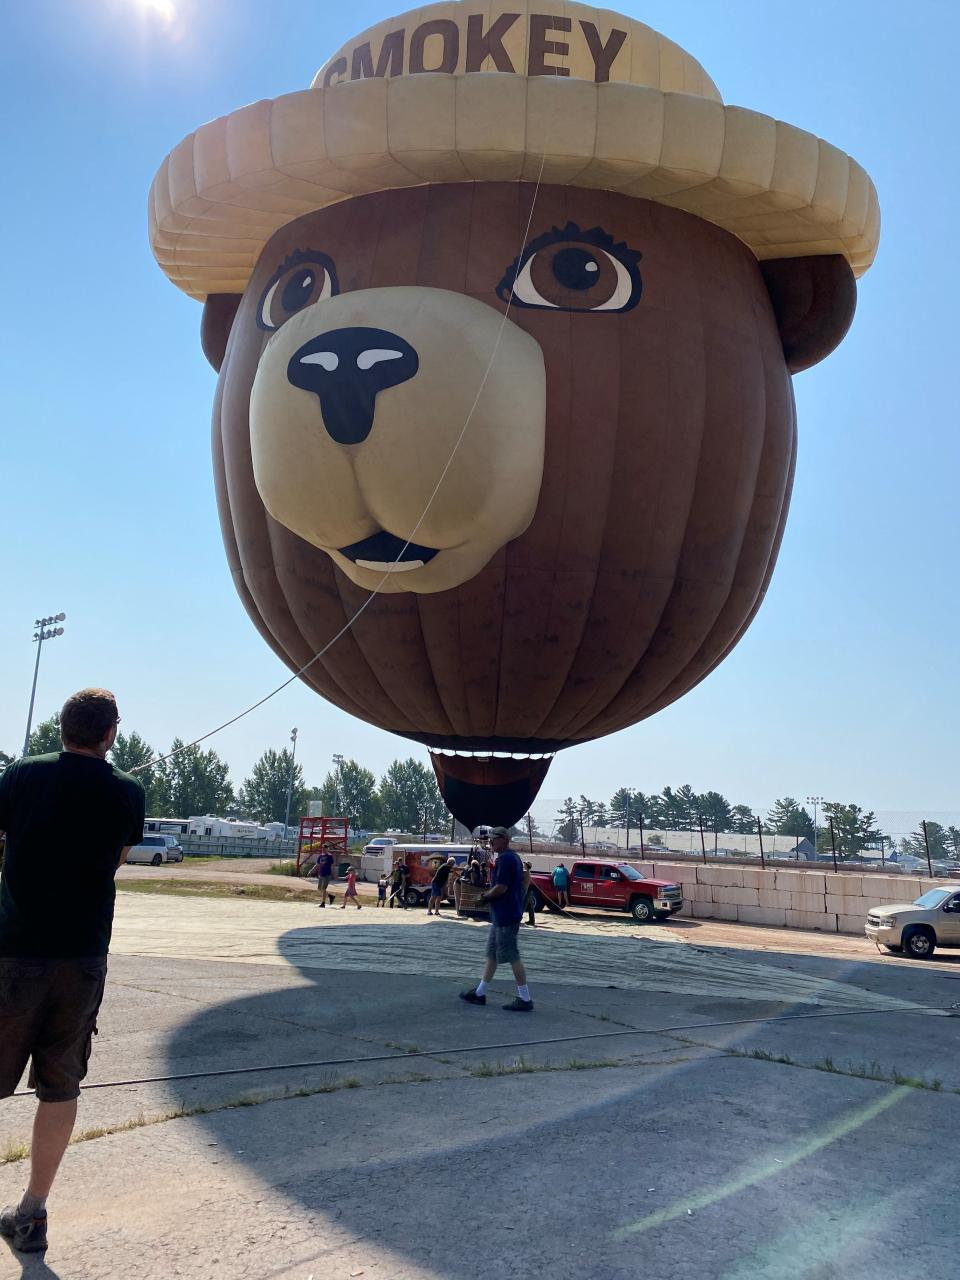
point(165, 10)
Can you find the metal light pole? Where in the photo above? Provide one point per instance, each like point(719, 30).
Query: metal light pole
point(816, 801)
point(337, 782)
point(45, 631)
point(293, 761)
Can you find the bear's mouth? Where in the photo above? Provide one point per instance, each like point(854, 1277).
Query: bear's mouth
point(386, 553)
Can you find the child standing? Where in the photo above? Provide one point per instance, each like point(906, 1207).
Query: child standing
point(351, 891)
point(382, 890)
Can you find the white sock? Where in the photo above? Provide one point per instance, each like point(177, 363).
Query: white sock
point(481, 988)
point(523, 992)
point(32, 1206)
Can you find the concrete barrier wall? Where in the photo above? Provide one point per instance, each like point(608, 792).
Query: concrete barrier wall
point(833, 902)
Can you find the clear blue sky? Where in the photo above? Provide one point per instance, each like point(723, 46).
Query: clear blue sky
point(846, 683)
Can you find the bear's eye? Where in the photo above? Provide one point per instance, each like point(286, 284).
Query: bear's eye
point(304, 279)
point(574, 270)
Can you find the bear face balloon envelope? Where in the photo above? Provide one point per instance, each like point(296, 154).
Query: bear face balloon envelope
point(505, 308)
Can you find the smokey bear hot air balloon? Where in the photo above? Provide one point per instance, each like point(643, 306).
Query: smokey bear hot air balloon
point(570, 509)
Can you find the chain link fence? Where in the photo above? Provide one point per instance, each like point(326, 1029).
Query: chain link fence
point(912, 842)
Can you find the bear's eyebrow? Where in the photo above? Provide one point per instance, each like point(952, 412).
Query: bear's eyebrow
point(300, 257)
point(596, 236)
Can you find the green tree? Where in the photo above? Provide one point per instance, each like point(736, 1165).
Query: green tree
point(528, 826)
point(410, 799)
point(263, 796)
point(5, 760)
point(586, 808)
point(742, 820)
point(599, 818)
point(953, 841)
point(937, 835)
point(192, 782)
point(568, 828)
point(130, 752)
point(678, 809)
point(646, 807)
point(715, 811)
point(853, 828)
point(621, 806)
point(45, 737)
point(350, 792)
point(789, 819)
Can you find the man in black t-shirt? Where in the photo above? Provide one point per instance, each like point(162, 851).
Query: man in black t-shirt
point(438, 885)
point(56, 917)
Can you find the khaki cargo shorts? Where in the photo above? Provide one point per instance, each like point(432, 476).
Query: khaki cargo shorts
point(48, 1016)
point(502, 943)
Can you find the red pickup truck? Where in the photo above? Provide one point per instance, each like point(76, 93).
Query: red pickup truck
point(616, 886)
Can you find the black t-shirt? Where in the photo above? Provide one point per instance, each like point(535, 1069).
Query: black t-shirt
point(67, 817)
point(442, 875)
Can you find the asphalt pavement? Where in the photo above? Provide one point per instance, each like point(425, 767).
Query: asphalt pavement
point(672, 1108)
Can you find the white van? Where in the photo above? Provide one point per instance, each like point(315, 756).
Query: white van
point(155, 849)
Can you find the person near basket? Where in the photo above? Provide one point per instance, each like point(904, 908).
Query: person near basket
point(505, 898)
point(529, 897)
point(438, 885)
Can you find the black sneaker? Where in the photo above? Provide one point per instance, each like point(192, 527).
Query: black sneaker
point(29, 1235)
point(519, 1006)
point(471, 997)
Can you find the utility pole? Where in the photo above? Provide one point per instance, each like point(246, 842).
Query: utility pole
point(46, 630)
point(337, 783)
point(583, 847)
point(293, 759)
point(926, 842)
point(833, 843)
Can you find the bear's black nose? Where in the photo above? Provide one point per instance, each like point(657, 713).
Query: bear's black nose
point(347, 369)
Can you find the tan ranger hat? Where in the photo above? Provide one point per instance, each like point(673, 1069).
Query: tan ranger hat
point(478, 91)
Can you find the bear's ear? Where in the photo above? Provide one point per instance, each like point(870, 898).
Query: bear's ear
point(218, 312)
point(813, 300)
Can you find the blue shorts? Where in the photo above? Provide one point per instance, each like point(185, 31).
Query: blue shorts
point(502, 943)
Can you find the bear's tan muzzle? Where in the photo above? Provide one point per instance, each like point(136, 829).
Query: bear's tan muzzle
point(365, 403)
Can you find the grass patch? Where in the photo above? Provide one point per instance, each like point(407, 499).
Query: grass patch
point(856, 1071)
point(14, 1150)
point(584, 1064)
point(213, 889)
point(763, 1056)
point(286, 868)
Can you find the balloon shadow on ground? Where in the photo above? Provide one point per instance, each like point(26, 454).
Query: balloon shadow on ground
point(483, 1170)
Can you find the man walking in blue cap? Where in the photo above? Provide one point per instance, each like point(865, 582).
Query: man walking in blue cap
point(505, 898)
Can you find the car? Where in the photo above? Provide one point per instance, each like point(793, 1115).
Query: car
point(917, 928)
point(156, 849)
point(616, 886)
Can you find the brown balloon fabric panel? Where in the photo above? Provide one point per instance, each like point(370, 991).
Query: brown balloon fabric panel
point(667, 465)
